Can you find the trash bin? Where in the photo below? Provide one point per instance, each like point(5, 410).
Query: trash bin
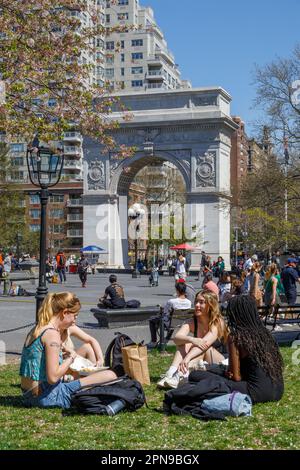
point(72, 268)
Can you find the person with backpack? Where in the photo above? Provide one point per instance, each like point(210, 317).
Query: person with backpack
point(61, 266)
point(113, 296)
point(42, 363)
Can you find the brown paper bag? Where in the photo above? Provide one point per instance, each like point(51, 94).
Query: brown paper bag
point(135, 361)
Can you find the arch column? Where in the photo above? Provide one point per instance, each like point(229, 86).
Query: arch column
point(210, 215)
point(106, 226)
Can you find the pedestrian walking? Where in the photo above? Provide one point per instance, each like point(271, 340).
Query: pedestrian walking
point(61, 266)
point(82, 268)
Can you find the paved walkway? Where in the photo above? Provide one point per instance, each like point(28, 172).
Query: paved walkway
point(19, 311)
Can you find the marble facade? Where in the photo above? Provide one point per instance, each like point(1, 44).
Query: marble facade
point(189, 128)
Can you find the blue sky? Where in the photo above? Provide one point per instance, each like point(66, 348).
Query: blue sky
point(217, 42)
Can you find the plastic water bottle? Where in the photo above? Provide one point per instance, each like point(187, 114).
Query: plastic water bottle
point(114, 407)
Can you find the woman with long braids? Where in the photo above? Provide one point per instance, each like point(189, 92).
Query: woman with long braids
point(42, 365)
point(197, 339)
point(255, 362)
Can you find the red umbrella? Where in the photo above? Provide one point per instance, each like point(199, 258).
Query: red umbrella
point(183, 246)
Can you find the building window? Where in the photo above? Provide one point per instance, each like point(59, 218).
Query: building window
point(136, 70)
point(123, 16)
point(34, 213)
point(137, 55)
point(100, 56)
point(122, 71)
point(34, 228)
point(110, 59)
point(17, 161)
point(122, 57)
point(110, 73)
point(17, 148)
point(57, 229)
point(110, 45)
point(56, 213)
point(107, 3)
point(34, 199)
point(56, 198)
point(52, 102)
point(107, 18)
point(123, 2)
point(137, 83)
point(137, 42)
point(122, 44)
point(17, 175)
point(100, 43)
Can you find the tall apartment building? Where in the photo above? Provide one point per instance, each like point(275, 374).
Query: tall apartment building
point(139, 58)
point(135, 59)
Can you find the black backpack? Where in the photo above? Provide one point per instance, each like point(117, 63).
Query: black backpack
point(133, 303)
point(94, 399)
point(113, 355)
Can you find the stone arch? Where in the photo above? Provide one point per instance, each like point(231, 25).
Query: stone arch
point(121, 180)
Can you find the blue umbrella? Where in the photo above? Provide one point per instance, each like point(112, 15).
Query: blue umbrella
point(92, 249)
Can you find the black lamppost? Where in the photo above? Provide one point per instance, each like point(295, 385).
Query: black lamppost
point(136, 213)
point(44, 168)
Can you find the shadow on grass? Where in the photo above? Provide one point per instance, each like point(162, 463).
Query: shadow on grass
point(12, 400)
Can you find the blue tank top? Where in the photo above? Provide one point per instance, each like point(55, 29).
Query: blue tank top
point(33, 360)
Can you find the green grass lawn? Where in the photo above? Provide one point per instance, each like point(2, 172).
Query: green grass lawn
point(273, 425)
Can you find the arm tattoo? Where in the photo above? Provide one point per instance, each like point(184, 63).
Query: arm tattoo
point(54, 345)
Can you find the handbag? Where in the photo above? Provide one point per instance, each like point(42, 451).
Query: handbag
point(135, 361)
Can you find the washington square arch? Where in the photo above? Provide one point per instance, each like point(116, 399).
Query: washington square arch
point(189, 128)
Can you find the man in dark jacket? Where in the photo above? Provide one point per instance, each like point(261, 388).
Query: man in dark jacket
point(82, 268)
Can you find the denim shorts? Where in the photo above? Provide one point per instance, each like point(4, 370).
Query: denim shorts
point(52, 396)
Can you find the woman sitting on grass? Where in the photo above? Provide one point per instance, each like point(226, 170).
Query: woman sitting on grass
point(42, 365)
point(206, 328)
point(255, 362)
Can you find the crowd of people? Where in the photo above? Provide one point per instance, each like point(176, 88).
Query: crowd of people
point(225, 329)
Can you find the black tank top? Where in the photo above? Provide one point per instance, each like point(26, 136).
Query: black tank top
point(260, 386)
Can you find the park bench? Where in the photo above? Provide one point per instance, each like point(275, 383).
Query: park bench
point(106, 317)
point(272, 317)
point(177, 317)
point(284, 317)
point(25, 279)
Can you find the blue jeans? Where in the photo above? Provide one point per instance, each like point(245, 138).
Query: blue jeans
point(62, 274)
point(52, 396)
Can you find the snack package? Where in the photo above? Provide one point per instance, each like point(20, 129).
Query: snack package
point(85, 366)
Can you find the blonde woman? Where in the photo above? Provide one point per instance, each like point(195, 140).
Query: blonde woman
point(195, 339)
point(255, 291)
point(42, 365)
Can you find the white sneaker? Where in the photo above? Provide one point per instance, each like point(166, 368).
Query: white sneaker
point(161, 382)
point(173, 382)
